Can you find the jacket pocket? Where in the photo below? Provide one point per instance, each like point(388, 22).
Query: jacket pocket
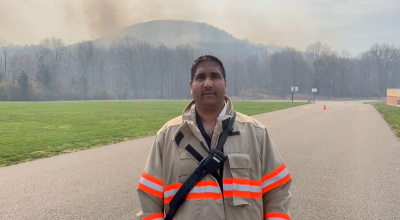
point(239, 186)
point(183, 178)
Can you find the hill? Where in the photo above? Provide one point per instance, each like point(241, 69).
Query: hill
point(204, 37)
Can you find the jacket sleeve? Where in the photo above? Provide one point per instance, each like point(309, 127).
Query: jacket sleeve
point(151, 188)
point(275, 181)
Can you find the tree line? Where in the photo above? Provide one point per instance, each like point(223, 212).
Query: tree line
point(128, 68)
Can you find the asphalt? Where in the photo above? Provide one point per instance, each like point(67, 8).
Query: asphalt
point(344, 161)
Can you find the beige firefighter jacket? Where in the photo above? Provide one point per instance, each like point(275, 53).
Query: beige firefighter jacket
point(255, 180)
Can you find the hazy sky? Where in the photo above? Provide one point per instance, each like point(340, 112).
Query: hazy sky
point(354, 25)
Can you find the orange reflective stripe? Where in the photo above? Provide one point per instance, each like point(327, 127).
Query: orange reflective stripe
point(206, 189)
point(276, 184)
point(192, 196)
point(241, 181)
point(276, 178)
point(228, 193)
point(242, 194)
point(207, 183)
point(152, 179)
point(150, 191)
point(168, 199)
point(155, 216)
point(172, 186)
point(274, 173)
point(234, 187)
point(276, 215)
point(151, 185)
point(199, 184)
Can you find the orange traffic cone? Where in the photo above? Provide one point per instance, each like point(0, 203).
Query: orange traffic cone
point(107, 100)
point(75, 101)
point(324, 107)
point(143, 101)
point(186, 103)
point(111, 101)
point(345, 103)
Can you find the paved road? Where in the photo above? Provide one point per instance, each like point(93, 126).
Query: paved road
point(345, 164)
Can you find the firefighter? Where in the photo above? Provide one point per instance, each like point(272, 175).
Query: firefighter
point(213, 162)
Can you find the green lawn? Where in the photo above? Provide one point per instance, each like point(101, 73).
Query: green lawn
point(32, 130)
point(391, 114)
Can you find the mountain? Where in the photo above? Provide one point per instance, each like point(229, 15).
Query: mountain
point(204, 37)
point(173, 32)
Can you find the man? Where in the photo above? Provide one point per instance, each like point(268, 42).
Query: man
point(253, 183)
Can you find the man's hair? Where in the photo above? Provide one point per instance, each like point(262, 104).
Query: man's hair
point(205, 58)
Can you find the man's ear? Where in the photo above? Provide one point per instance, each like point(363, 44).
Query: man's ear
point(191, 87)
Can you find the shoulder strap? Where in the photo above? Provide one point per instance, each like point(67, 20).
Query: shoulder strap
point(227, 131)
point(198, 174)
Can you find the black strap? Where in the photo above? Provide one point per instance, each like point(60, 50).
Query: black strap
point(227, 130)
point(194, 153)
point(198, 174)
point(180, 196)
point(199, 158)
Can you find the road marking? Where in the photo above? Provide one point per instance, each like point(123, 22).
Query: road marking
point(362, 108)
point(306, 107)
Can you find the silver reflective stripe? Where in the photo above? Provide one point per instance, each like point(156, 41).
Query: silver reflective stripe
point(230, 187)
point(159, 219)
point(169, 193)
point(151, 185)
point(196, 189)
point(276, 178)
point(204, 189)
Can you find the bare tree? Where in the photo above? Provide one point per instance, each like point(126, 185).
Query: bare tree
point(184, 58)
point(4, 48)
point(124, 51)
point(280, 79)
point(235, 74)
point(344, 60)
point(14, 66)
point(384, 57)
point(316, 53)
point(163, 59)
point(364, 73)
point(330, 69)
point(28, 64)
point(84, 52)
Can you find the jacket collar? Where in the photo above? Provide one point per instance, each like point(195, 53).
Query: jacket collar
point(189, 114)
point(189, 126)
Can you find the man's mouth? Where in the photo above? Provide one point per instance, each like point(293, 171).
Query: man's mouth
point(208, 93)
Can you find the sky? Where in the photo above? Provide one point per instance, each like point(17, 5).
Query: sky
point(352, 25)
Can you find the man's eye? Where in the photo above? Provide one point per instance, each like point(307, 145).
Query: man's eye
point(199, 77)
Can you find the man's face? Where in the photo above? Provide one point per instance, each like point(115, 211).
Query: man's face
point(208, 86)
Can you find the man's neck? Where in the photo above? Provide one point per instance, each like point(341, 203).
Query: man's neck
point(209, 115)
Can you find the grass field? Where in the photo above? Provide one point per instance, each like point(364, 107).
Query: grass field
point(391, 114)
point(32, 130)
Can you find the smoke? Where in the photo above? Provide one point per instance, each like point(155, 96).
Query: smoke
point(285, 23)
point(74, 20)
point(101, 17)
point(106, 17)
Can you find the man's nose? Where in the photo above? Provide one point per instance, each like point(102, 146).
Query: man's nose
point(208, 83)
